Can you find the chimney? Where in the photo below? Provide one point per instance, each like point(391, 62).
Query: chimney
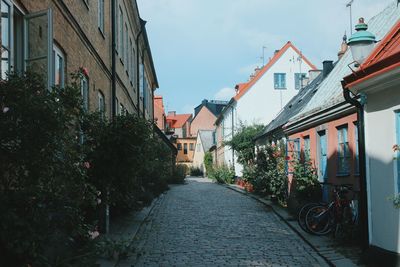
point(171, 113)
point(327, 67)
point(256, 71)
point(343, 47)
point(204, 102)
point(312, 74)
point(276, 52)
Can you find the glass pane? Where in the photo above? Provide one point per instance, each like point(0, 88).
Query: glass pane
point(37, 42)
point(5, 25)
point(4, 69)
point(58, 67)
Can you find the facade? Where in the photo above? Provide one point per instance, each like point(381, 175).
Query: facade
point(186, 148)
point(271, 87)
point(378, 80)
point(159, 113)
point(204, 141)
point(179, 124)
point(205, 115)
point(62, 37)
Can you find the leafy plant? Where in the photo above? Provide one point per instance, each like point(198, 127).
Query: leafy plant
point(305, 179)
point(208, 162)
point(222, 175)
point(194, 171)
point(179, 174)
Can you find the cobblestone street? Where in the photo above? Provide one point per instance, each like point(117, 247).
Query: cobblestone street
point(204, 224)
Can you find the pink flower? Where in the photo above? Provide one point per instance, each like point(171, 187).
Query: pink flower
point(85, 71)
point(6, 109)
point(94, 234)
point(86, 164)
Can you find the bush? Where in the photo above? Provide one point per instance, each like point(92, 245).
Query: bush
point(194, 171)
point(222, 175)
point(208, 162)
point(179, 174)
point(306, 182)
point(45, 194)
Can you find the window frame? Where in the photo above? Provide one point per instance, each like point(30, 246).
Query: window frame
point(10, 32)
point(121, 32)
point(179, 146)
point(185, 148)
point(307, 148)
point(101, 104)
point(100, 16)
point(58, 53)
point(85, 93)
point(343, 131)
point(298, 78)
point(191, 147)
point(278, 81)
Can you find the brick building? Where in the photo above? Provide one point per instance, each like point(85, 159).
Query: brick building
point(58, 37)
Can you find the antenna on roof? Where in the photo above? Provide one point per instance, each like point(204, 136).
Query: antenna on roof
point(349, 4)
point(263, 55)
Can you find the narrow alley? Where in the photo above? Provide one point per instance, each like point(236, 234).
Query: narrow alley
point(205, 224)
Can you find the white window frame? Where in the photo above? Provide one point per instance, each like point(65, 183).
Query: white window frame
point(101, 104)
point(85, 92)
point(10, 38)
point(57, 53)
point(100, 14)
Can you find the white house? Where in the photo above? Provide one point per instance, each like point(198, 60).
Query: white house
point(378, 80)
point(260, 100)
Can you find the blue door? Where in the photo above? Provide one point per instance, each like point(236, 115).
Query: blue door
point(323, 164)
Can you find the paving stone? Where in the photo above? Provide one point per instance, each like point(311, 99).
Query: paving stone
point(204, 224)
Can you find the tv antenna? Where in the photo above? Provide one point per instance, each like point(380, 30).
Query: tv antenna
point(349, 4)
point(263, 55)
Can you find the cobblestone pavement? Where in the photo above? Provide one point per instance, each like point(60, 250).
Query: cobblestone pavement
point(204, 224)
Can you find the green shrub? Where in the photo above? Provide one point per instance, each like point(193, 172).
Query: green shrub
point(45, 194)
point(208, 162)
point(222, 175)
point(194, 171)
point(179, 174)
point(306, 182)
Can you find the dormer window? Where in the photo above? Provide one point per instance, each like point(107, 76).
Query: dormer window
point(280, 81)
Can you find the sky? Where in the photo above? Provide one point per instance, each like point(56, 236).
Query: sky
point(202, 48)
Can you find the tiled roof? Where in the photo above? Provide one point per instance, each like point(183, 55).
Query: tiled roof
point(330, 90)
point(178, 120)
point(207, 139)
point(215, 106)
point(294, 106)
point(385, 57)
point(264, 69)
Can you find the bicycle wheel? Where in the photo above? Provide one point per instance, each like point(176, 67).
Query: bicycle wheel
point(318, 220)
point(301, 217)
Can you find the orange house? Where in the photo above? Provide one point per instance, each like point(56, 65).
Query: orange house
point(185, 147)
point(205, 115)
point(179, 124)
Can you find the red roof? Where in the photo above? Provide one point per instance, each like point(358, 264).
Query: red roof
point(178, 120)
point(385, 57)
point(274, 59)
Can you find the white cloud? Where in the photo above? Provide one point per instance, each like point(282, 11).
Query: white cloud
point(225, 93)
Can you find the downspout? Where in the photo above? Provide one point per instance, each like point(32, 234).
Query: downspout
point(113, 61)
point(363, 203)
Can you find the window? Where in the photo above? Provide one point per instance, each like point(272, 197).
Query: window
point(343, 151)
point(58, 66)
point(126, 47)
point(185, 148)
point(298, 80)
point(133, 67)
point(280, 80)
point(296, 149)
point(5, 39)
point(101, 15)
point(101, 105)
point(141, 78)
point(131, 60)
point(191, 147)
point(121, 32)
point(307, 148)
point(356, 156)
point(179, 146)
point(85, 93)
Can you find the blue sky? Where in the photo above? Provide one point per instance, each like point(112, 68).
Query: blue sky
point(202, 48)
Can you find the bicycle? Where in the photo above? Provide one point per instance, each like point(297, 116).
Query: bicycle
point(323, 219)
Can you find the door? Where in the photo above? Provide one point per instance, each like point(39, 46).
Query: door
point(323, 164)
point(38, 44)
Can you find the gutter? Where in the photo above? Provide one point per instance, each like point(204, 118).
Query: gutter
point(363, 212)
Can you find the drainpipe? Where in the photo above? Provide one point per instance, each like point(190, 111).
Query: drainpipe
point(113, 60)
point(233, 151)
point(363, 202)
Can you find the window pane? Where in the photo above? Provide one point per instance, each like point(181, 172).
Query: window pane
point(5, 25)
point(37, 37)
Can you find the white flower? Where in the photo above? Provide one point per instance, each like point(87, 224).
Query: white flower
point(6, 109)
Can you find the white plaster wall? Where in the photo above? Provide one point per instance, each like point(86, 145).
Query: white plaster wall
point(198, 158)
point(380, 127)
point(262, 102)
